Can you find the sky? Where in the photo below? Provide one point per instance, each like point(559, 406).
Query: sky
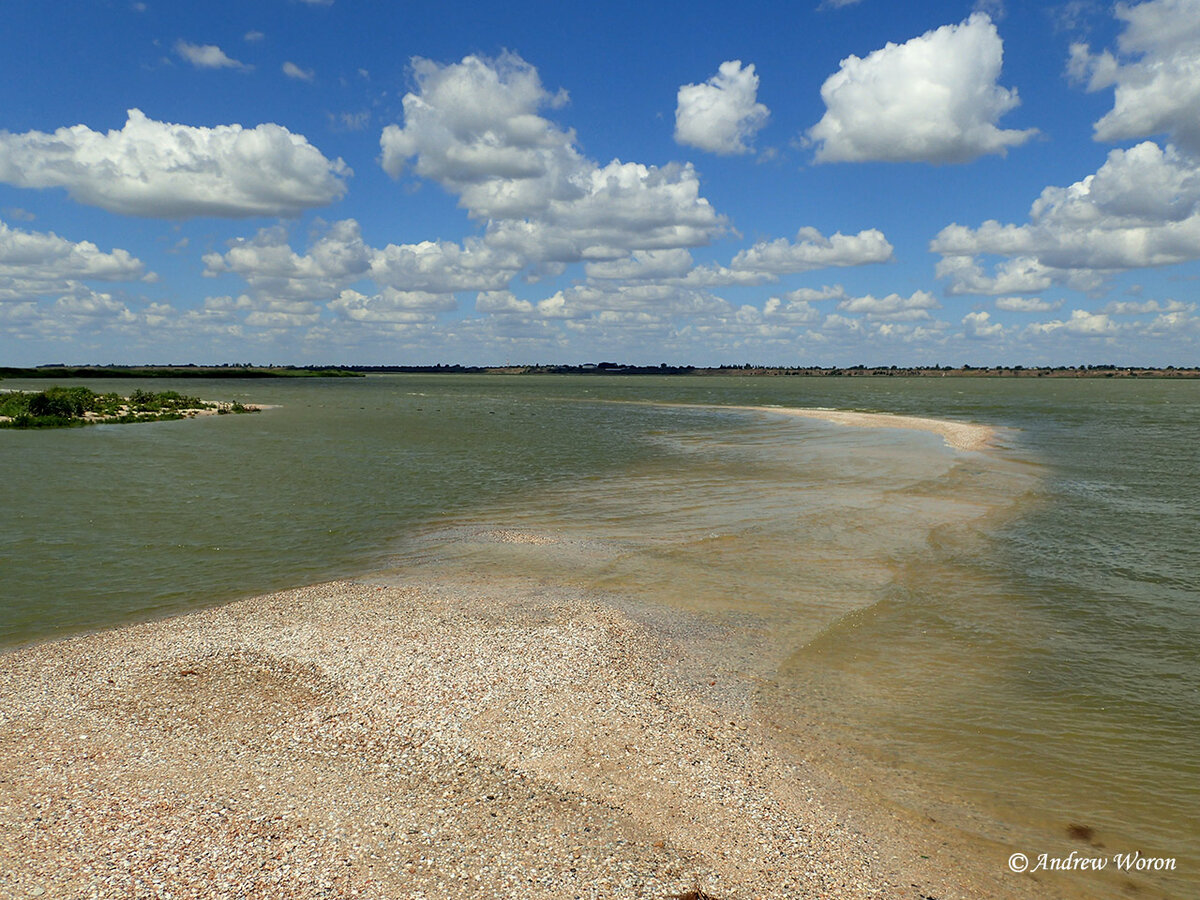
point(831, 182)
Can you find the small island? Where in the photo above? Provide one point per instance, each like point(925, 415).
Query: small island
point(68, 407)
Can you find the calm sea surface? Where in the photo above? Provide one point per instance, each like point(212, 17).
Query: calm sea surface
point(1006, 641)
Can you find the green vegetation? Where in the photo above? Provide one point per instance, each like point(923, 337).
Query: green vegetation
point(66, 407)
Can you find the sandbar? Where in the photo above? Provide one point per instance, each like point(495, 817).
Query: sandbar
point(959, 435)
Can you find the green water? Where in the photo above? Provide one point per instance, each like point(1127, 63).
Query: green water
point(1006, 641)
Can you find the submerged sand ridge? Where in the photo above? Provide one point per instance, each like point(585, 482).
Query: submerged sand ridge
point(959, 435)
point(358, 740)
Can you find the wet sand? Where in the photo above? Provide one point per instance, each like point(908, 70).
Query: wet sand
point(959, 435)
point(352, 739)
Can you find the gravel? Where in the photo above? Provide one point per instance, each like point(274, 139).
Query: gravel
point(359, 740)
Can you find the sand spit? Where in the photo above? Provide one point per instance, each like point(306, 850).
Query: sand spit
point(356, 740)
point(959, 435)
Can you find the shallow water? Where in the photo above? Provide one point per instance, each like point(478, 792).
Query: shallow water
point(1005, 641)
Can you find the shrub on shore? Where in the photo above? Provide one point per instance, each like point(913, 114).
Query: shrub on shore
point(66, 407)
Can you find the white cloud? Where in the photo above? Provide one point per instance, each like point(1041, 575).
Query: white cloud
point(291, 70)
point(1023, 274)
point(629, 303)
point(253, 37)
point(92, 305)
point(163, 170)
point(207, 56)
point(1026, 304)
point(273, 313)
point(1144, 307)
point(722, 115)
point(1156, 74)
point(933, 99)
point(1081, 323)
point(812, 250)
point(34, 263)
point(893, 307)
point(474, 128)
point(644, 265)
point(443, 266)
point(269, 265)
point(979, 326)
point(813, 295)
point(1140, 209)
point(791, 312)
point(339, 258)
point(392, 307)
point(501, 303)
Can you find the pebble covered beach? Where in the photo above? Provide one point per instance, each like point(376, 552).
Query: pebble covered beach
point(358, 740)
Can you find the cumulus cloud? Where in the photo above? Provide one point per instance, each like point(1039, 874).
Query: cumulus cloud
point(477, 128)
point(1026, 304)
point(339, 257)
point(501, 303)
point(474, 127)
point(207, 56)
point(1081, 322)
point(1144, 307)
point(444, 266)
point(1156, 73)
point(722, 115)
point(790, 311)
point(933, 99)
point(1023, 274)
point(893, 307)
point(813, 295)
point(163, 170)
point(616, 303)
point(392, 307)
point(1140, 209)
point(269, 265)
point(979, 326)
point(812, 250)
point(34, 263)
point(272, 313)
point(644, 265)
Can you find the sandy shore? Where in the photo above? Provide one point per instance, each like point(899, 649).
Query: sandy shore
point(350, 740)
point(959, 435)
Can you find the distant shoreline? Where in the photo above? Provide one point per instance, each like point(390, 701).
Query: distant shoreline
point(604, 368)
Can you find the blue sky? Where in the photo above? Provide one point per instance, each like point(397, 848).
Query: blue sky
point(293, 181)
